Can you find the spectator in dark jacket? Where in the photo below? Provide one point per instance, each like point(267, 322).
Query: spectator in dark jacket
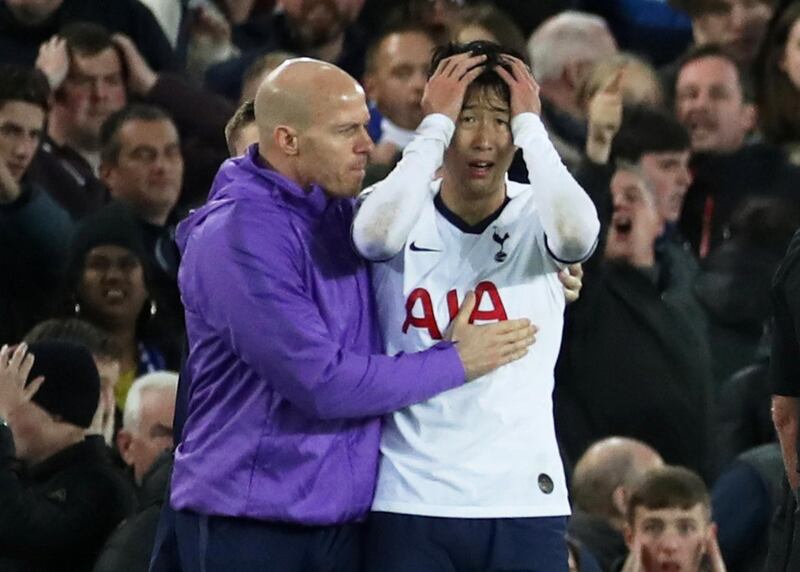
point(58, 510)
point(635, 359)
point(32, 225)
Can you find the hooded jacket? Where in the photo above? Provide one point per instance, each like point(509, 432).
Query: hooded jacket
point(286, 380)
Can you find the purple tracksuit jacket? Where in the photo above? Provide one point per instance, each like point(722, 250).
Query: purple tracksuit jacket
point(287, 380)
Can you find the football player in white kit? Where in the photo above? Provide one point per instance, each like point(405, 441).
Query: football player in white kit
point(472, 479)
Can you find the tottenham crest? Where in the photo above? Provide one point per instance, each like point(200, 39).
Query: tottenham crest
point(501, 254)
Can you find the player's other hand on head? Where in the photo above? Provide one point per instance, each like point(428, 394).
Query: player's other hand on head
point(524, 89)
point(486, 347)
point(444, 92)
point(571, 279)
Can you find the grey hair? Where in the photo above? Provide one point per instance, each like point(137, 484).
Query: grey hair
point(156, 381)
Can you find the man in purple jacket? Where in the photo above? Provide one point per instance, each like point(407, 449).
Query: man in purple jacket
point(278, 457)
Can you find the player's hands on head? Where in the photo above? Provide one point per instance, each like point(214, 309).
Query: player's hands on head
point(486, 347)
point(524, 89)
point(444, 92)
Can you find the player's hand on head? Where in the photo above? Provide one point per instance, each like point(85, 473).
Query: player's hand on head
point(484, 348)
point(571, 279)
point(524, 89)
point(444, 92)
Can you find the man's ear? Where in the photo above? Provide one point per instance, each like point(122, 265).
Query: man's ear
point(286, 139)
point(124, 440)
point(628, 534)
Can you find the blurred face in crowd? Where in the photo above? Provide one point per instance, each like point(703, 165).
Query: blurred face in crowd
point(148, 171)
point(635, 223)
point(673, 539)
point(32, 11)
point(398, 80)
point(21, 126)
point(140, 446)
point(790, 63)
point(710, 104)
point(738, 26)
point(317, 22)
point(93, 89)
point(668, 173)
point(112, 290)
point(481, 151)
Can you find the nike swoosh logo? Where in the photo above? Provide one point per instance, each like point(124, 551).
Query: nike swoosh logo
point(416, 248)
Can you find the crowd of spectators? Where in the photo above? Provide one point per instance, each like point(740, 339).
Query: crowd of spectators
point(681, 119)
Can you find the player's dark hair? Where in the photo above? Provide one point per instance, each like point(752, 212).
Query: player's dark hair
point(648, 129)
point(489, 78)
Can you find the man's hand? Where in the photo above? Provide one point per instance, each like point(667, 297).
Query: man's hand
point(604, 119)
point(571, 279)
point(715, 560)
point(14, 369)
point(636, 557)
point(10, 188)
point(485, 348)
point(444, 92)
point(524, 89)
point(53, 61)
point(141, 77)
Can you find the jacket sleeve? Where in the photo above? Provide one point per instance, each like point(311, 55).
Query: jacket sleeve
point(42, 227)
point(261, 301)
point(65, 521)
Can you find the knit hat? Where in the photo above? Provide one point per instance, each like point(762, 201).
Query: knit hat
point(71, 388)
point(112, 225)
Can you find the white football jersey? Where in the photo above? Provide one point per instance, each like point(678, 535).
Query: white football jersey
point(488, 448)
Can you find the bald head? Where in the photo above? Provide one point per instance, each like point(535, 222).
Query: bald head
point(312, 119)
point(606, 467)
point(297, 92)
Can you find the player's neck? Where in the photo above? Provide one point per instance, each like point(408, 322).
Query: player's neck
point(472, 209)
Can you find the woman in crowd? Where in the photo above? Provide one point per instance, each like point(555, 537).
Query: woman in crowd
point(107, 284)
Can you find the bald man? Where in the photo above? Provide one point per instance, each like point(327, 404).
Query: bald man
point(601, 485)
point(277, 457)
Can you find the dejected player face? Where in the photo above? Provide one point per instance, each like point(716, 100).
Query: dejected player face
point(481, 151)
point(334, 150)
point(671, 539)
